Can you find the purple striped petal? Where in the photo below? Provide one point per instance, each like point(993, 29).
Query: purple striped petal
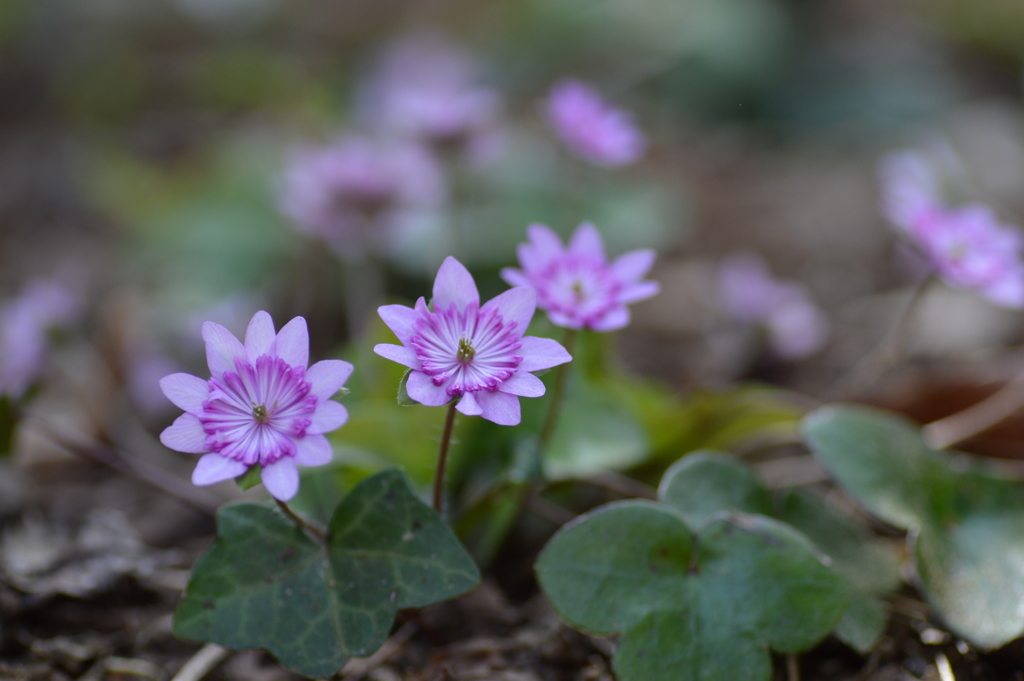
point(639, 291)
point(400, 319)
point(398, 353)
point(586, 243)
point(634, 265)
point(468, 405)
point(422, 389)
point(514, 305)
point(614, 319)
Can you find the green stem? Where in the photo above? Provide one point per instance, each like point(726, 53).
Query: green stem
point(301, 522)
point(442, 457)
point(547, 431)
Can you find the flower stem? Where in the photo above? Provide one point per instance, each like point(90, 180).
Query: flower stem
point(442, 457)
point(866, 373)
point(301, 522)
point(547, 431)
point(977, 418)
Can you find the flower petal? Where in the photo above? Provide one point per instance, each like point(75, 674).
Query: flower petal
point(422, 389)
point(259, 336)
point(313, 450)
point(541, 353)
point(499, 407)
point(515, 277)
point(514, 305)
point(398, 353)
point(564, 320)
point(639, 291)
point(221, 348)
point(454, 285)
point(543, 247)
point(327, 376)
point(523, 384)
point(400, 319)
point(615, 318)
point(186, 434)
point(632, 266)
point(281, 478)
point(329, 415)
point(214, 468)
point(468, 405)
point(186, 391)
point(292, 343)
point(586, 243)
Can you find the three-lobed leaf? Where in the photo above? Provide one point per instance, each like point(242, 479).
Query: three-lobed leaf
point(706, 483)
point(966, 527)
point(704, 606)
point(266, 584)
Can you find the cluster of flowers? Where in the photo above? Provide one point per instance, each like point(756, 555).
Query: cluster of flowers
point(264, 406)
point(366, 192)
point(967, 246)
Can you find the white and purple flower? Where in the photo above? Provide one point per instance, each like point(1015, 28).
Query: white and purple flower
point(576, 285)
point(749, 294)
point(462, 350)
point(260, 407)
point(358, 194)
point(590, 128)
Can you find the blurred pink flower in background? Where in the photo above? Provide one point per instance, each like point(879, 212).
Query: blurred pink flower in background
point(966, 246)
point(261, 406)
point(576, 285)
point(426, 88)
point(970, 249)
point(749, 294)
point(475, 353)
point(592, 129)
point(25, 323)
point(357, 193)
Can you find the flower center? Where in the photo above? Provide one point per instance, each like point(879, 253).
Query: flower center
point(259, 412)
point(466, 352)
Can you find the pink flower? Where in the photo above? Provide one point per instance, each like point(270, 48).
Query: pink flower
point(260, 407)
point(750, 295)
point(910, 188)
point(590, 128)
point(24, 326)
point(576, 286)
point(970, 249)
point(426, 88)
point(357, 193)
point(475, 353)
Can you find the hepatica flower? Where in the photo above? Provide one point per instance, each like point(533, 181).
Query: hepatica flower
point(749, 294)
point(576, 285)
point(462, 350)
point(590, 128)
point(260, 407)
point(357, 193)
point(966, 246)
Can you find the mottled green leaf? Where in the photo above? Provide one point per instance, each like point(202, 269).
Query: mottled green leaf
point(266, 584)
point(966, 526)
point(690, 607)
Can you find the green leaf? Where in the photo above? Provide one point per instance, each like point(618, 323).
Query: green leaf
point(703, 484)
point(250, 478)
point(266, 584)
point(690, 607)
point(966, 526)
